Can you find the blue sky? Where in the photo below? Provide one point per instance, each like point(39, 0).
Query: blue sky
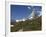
point(22, 11)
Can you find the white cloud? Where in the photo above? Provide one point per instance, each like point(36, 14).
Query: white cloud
point(30, 17)
point(29, 7)
point(23, 19)
point(20, 20)
point(17, 20)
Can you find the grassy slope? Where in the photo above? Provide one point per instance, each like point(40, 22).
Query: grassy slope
point(28, 25)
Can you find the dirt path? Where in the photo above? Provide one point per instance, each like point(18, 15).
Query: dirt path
point(21, 30)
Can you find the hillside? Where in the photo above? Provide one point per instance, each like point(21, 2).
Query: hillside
point(28, 25)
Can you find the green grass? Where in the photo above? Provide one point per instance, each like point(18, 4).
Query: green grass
point(28, 25)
